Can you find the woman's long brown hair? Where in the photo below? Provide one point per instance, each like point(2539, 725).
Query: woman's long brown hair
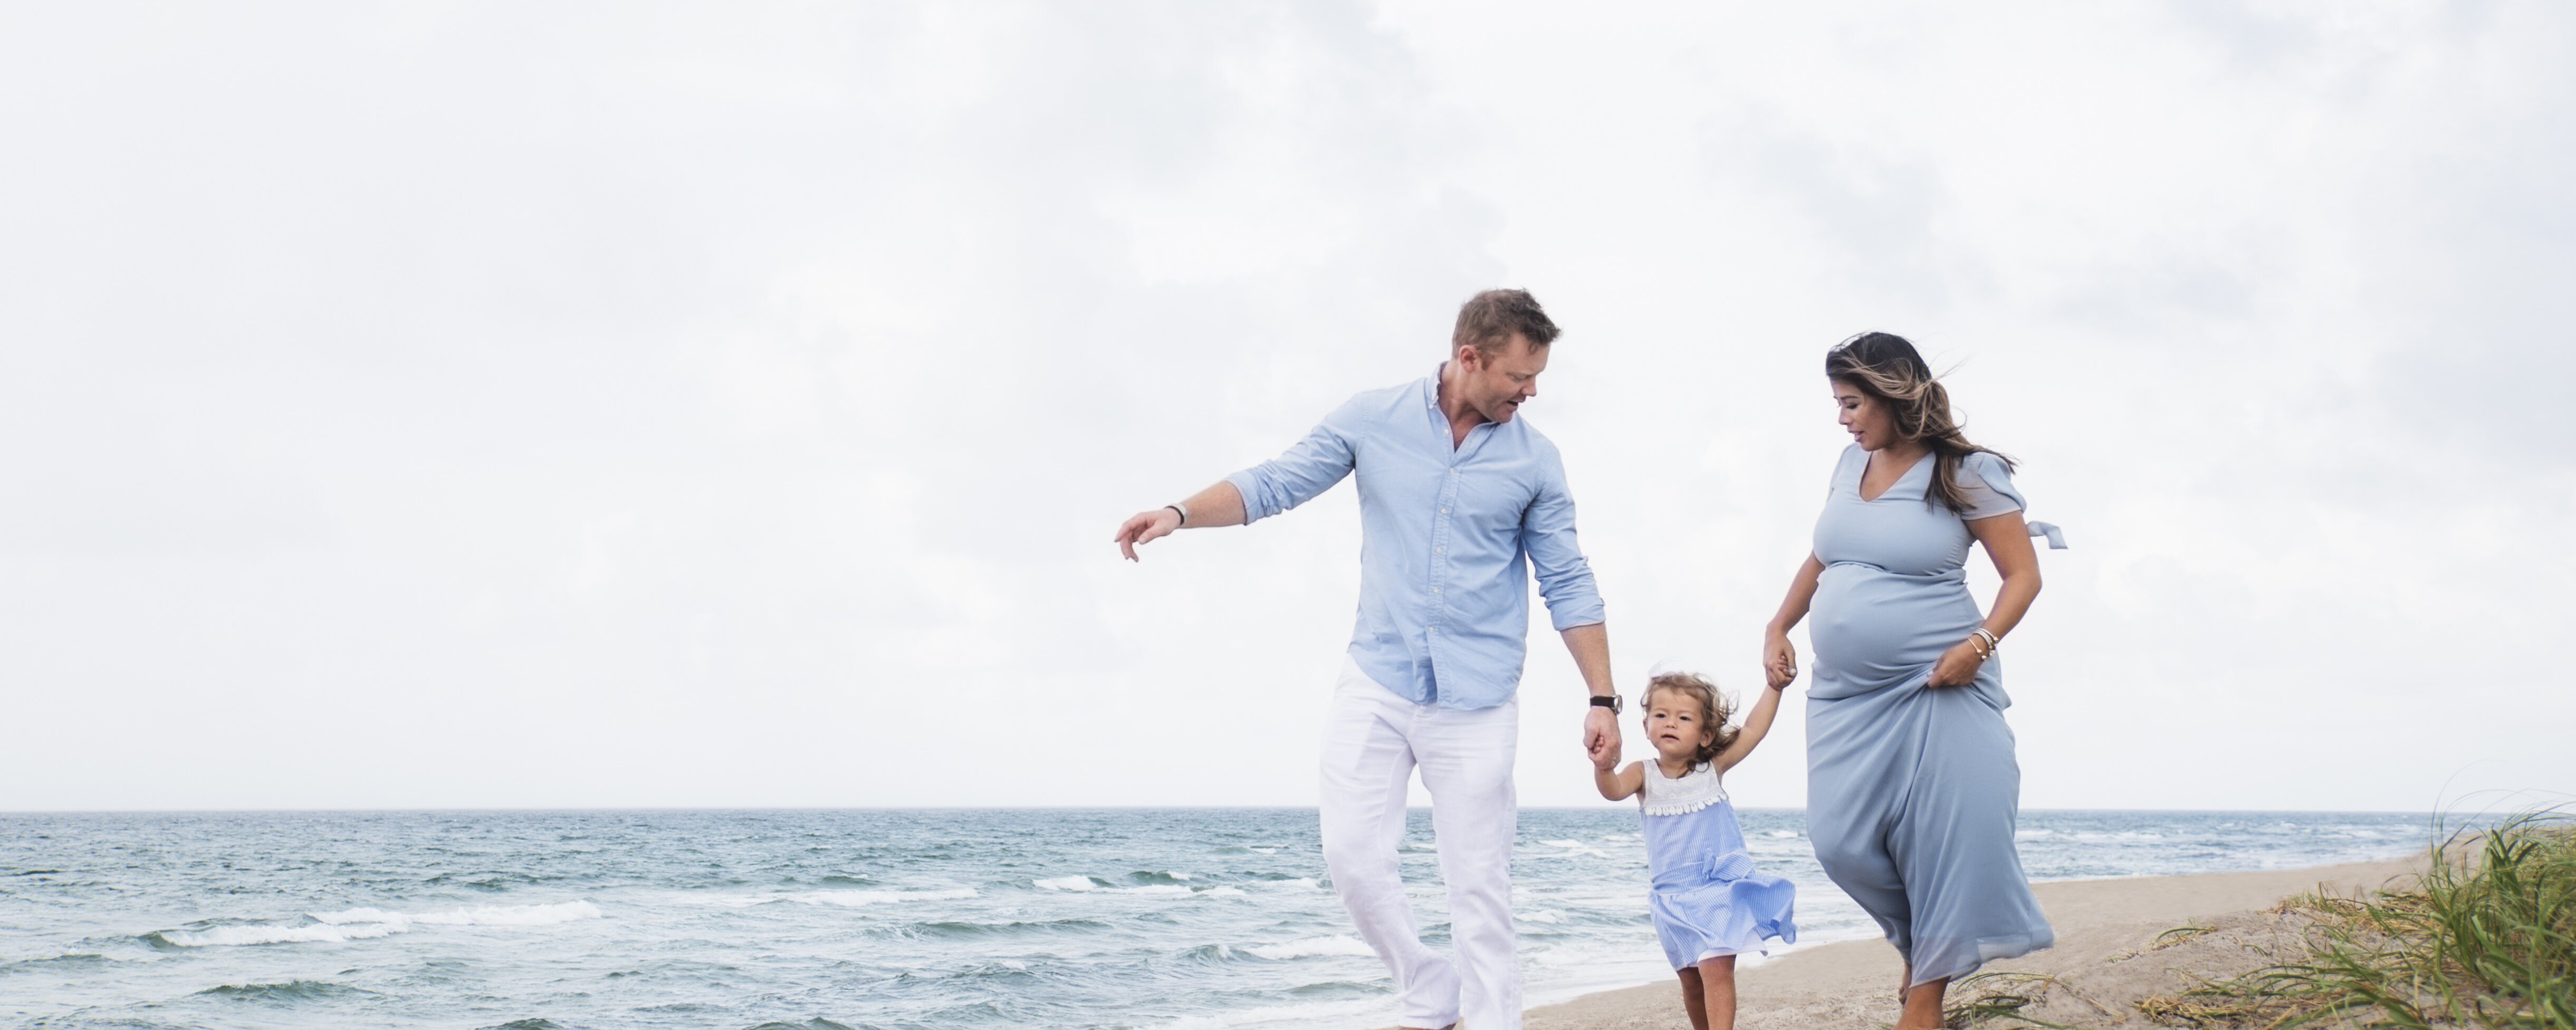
point(1886, 367)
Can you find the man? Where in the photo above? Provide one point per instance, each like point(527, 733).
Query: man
point(1457, 497)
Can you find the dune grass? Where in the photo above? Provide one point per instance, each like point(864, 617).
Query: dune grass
point(1998, 998)
point(2486, 937)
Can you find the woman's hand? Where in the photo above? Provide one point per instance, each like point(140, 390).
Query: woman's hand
point(1958, 666)
point(1779, 660)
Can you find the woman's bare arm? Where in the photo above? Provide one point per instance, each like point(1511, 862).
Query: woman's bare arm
point(2007, 541)
point(1779, 657)
point(1757, 724)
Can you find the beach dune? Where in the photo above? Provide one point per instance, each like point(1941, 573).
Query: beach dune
point(2111, 953)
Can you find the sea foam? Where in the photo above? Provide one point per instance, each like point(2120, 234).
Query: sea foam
point(1312, 947)
point(478, 915)
point(229, 936)
point(365, 923)
point(1087, 885)
point(859, 899)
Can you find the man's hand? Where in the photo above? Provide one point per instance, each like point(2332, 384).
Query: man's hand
point(1601, 738)
point(1145, 527)
point(1590, 647)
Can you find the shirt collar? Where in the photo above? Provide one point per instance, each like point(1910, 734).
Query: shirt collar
point(1440, 419)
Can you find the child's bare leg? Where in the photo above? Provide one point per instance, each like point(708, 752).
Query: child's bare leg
point(1691, 1001)
point(1717, 989)
point(1923, 1006)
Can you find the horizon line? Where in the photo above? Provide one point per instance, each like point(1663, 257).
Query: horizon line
point(5, 813)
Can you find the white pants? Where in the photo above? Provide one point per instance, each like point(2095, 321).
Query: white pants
point(1373, 740)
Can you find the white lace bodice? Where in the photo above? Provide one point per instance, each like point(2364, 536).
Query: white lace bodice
point(1694, 790)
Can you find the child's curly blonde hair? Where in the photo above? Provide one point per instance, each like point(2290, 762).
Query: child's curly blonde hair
point(1714, 709)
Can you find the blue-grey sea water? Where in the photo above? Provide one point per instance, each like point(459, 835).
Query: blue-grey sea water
point(815, 919)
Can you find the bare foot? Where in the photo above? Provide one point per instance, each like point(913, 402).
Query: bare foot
point(1923, 1007)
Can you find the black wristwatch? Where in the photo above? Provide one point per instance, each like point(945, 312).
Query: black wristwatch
point(1609, 701)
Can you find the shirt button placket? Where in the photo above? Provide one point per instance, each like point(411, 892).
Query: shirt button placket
point(1440, 545)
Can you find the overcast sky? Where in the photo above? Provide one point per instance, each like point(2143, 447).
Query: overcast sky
point(457, 405)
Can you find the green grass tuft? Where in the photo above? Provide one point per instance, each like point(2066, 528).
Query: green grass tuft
point(1998, 998)
point(2486, 937)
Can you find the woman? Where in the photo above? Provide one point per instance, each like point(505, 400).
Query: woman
point(1911, 783)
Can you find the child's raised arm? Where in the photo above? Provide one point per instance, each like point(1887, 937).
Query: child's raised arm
point(1620, 785)
point(1756, 723)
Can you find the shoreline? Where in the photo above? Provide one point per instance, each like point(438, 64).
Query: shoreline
point(2100, 924)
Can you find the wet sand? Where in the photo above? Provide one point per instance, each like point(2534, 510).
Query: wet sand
point(2107, 958)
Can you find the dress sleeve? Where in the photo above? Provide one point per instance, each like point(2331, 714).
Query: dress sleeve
point(1988, 486)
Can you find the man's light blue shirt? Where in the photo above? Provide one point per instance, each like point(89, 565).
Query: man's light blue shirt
point(1446, 535)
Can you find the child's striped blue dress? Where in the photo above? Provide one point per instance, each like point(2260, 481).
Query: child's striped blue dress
point(1708, 900)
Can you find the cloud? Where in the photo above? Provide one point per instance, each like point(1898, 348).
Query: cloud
point(729, 407)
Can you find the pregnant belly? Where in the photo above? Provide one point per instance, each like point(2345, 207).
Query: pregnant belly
point(1873, 627)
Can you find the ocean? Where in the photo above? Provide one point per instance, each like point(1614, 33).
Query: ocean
point(1118, 918)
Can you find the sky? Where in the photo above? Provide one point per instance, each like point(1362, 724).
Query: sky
point(430, 405)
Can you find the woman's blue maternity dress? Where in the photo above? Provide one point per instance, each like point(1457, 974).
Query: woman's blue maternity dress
point(1912, 790)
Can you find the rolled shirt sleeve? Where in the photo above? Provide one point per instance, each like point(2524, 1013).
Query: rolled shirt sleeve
point(1307, 469)
point(1547, 535)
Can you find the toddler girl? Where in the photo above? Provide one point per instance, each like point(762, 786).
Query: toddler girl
point(1708, 902)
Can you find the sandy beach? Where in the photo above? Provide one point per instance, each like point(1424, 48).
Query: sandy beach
point(2107, 958)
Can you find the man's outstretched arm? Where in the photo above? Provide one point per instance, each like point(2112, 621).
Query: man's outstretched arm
point(1310, 467)
point(1218, 505)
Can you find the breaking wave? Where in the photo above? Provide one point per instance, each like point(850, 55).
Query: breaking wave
point(366, 923)
point(1312, 947)
point(857, 899)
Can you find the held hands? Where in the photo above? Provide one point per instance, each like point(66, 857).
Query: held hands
point(1779, 660)
point(1146, 527)
point(1958, 665)
point(1601, 738)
